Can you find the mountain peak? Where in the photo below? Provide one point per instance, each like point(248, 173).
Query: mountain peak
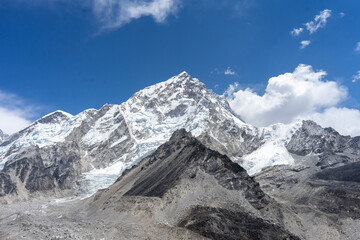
point(182, 85)
point(181, 156)
point(184, 73)
point(53, 117)
point(186, 77)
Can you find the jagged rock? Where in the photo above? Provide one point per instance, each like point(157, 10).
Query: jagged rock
point(331, 147)
point(41, 169)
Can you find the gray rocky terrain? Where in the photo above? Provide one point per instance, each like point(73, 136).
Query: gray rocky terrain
point(185, 190)
point(182, 191)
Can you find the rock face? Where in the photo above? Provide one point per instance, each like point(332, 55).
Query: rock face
point(41, 169)
point(184, 184)
point(331, 147)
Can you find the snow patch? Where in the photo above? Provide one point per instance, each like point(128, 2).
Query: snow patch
point(273, 151)
point(123, 138)
point(102, 178)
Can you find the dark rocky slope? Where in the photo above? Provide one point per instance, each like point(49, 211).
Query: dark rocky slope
point(223, 224)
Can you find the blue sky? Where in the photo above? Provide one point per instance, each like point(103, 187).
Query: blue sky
point(76, 54)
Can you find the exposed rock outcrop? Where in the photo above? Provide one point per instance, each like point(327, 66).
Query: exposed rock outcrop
point(331, 147)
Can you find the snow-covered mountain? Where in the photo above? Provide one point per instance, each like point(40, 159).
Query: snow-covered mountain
point(302, 175)
point(90, 150)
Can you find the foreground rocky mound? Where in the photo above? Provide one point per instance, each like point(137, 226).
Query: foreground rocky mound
point(184, 184)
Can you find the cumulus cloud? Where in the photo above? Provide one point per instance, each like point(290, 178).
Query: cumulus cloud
point(302, 94)
point(228, 71)
point(344, 120)
point(15, 114)
point(319, 21)
point(296, 31)
point(357, 47)
point(356, 77)
point(116, 13)
point(304, 44)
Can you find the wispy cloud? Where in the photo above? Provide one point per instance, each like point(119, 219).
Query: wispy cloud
point(357, 47)
point(296, 32)
point(342, 14)
point(318, 22)
point(301, 94)
point(304, 44)
point(221, 71)
point(313, 26)
point(356, 77)
point(115, 13)
point(229, 71)
point(15, 113)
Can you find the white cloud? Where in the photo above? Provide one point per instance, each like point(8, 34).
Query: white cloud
point(356, 77)
point(342, 14)
point(344, 120)
point(228, 71)
point(319, 21)
point(304, 44)
point(302, 94)
point(357, 47)
point(116, 13)
point(296, 31)
point(15, 113)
